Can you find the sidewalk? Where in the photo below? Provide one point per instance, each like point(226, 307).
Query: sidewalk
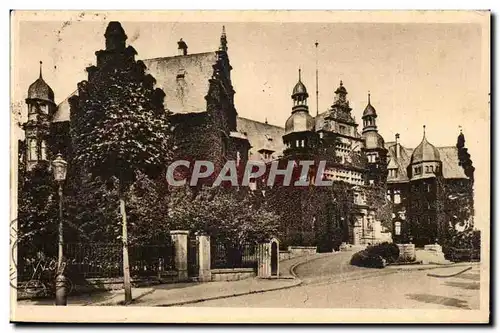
point(112, 297)
point(175, 294)
point(188, 293)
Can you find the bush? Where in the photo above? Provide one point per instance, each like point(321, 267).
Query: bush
point(463, 246)
point(388, 251)
point(376, 256)
point(364, 259)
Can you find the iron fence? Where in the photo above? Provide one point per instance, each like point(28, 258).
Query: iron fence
point(99, 260)
point(226, 256)
point(106, 259)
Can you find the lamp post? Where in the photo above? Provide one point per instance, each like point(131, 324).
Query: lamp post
point(60, 167)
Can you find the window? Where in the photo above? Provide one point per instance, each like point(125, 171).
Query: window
point(43, 151)
point(342, 129)
point(431, 168)
point(32, 155)
point(44, 108)
point(397, 198)
point(397, 228)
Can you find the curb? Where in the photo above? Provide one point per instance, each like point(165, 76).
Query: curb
point(294, 266)
point(291, 271)
point(407, 269)
point(450, 275)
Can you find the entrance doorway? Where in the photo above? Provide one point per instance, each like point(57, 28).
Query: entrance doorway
point(274, 258)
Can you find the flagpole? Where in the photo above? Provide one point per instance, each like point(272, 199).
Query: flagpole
point(317, 90)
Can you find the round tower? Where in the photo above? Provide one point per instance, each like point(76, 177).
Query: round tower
point(41, 108)
point(300, 135)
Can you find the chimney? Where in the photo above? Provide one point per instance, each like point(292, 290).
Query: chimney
point(397, 146)
point(182, 47)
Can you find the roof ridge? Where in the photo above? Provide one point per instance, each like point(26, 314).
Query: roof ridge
point(266, 124)
point(175, 56)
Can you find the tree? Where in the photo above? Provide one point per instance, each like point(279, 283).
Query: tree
point(37, 214)
point(229, 216)
point(119, 125)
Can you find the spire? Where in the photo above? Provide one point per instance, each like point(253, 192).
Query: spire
point(424, 131)
point(266, 120)
point(369, 97)
point(299, 93)
point(460, 139)
point(41, 69)
point(223, 40)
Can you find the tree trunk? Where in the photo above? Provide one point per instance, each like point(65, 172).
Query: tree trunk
point(126, 269)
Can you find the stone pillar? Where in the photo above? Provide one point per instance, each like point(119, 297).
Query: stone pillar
point(357, 230)
point(180, 241)
point(204, 274)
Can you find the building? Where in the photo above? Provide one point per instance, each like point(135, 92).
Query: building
point(200, 95)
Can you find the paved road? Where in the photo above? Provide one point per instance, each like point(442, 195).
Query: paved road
point(330, 282)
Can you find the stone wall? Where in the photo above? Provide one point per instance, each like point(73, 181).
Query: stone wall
point(232, 274)
point(302, 250)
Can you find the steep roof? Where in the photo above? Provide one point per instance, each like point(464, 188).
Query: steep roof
point(425, 152)
point(63, 109)
point(449, 159)
point(184, 79)
point(262, 136)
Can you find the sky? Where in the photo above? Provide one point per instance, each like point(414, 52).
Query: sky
point(432, 74)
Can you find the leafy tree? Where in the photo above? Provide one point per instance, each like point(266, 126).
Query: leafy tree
point(230, 217)
point(37, 213)
point(119, 124)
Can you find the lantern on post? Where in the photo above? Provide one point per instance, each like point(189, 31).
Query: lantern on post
point(60, 167)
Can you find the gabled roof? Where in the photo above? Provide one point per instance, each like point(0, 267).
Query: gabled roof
point(402, 161)
point(262, 136)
